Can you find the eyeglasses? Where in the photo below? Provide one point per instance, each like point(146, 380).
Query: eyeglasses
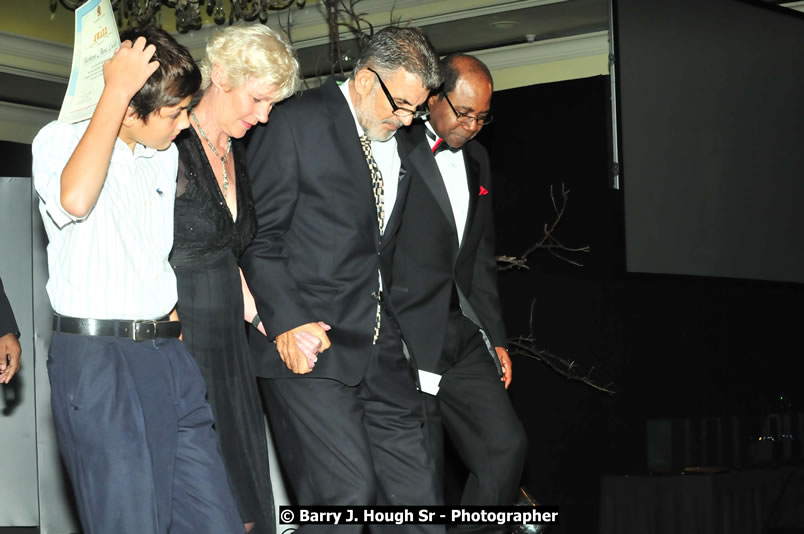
point(465, 118)
point(402, 113)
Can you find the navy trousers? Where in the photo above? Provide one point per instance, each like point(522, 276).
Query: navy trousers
point(135, 433)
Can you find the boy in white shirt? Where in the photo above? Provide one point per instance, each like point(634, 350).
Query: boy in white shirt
point(133, 425)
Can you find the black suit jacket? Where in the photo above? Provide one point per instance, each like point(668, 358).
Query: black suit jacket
point(7, 322)
point(428, 263)
point(317, 250)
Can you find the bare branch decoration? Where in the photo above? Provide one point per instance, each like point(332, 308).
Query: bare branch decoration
point(549, 241)
point(526, 346)
point(343, 13)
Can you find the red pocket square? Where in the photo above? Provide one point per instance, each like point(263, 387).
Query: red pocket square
point(483, 191)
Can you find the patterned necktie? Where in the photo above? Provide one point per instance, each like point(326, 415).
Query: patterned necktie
point(379, 202)
point(376, 181)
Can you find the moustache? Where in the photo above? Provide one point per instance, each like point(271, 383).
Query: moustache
point(393, 122)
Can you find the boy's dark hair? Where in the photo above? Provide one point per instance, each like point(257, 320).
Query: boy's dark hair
point(176, 78)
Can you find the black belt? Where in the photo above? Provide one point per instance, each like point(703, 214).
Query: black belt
point(138, 330)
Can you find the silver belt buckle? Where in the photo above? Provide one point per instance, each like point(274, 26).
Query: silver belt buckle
point(148, 330)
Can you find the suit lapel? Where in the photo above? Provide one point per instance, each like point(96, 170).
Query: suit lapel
point(401, 196)
point(348, 142)
point(421, 157)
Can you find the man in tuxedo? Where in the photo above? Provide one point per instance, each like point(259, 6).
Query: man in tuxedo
point(10, 350)
point(445, 288)
point(328, 185)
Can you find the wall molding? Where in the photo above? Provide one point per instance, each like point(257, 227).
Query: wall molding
point(20, 124)
point(547, 51)
point(798, 6)
point(35, 58)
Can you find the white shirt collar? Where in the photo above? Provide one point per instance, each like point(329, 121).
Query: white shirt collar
point(429, 140)
point(344, 87)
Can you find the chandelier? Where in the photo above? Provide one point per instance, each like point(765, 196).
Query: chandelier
point(131, 13)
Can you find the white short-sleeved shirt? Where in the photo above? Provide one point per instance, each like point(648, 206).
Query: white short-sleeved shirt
point(113, 263)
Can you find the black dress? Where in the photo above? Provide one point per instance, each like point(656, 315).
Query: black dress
point(207, 245)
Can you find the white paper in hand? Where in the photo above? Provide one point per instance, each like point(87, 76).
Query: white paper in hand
point(429, 382)
point(96, 39)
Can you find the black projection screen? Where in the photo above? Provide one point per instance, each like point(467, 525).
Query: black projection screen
point(711, 116)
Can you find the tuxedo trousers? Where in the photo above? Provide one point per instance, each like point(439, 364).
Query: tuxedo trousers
point(360, 445)
point(136, 436)
point(473, 407)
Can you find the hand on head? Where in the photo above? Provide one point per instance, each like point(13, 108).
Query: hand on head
point(130, 67)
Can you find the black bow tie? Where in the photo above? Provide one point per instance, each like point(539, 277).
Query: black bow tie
point(440, 145)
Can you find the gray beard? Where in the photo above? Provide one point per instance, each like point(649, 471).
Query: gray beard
point(372, 127)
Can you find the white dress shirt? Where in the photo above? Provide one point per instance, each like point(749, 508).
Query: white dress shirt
point(113, 263)
point(452, 167)
point(453, 171)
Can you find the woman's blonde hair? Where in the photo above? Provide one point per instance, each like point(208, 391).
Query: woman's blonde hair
point(251, 51)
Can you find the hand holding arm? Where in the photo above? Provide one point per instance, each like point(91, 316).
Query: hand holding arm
point(296, 346)
point(309, 345)
point(505, 363)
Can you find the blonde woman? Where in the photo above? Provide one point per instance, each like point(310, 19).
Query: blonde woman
point(246, 70)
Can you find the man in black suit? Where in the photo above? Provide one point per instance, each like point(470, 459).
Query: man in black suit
point(445, 287)
point(348, 427)
point(9, 340)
